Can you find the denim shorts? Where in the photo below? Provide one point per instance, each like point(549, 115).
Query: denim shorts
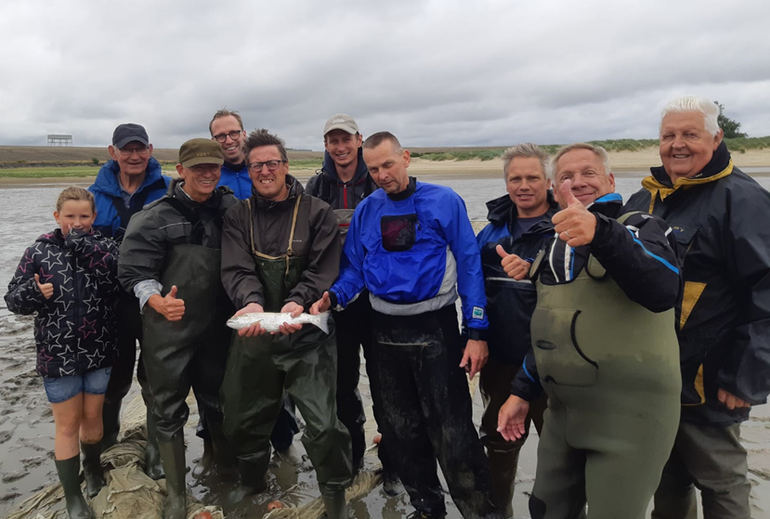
point(62, 389)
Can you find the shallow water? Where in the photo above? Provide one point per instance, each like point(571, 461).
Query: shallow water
point(26, 424)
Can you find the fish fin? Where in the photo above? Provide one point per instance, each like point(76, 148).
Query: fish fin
point(323, 322)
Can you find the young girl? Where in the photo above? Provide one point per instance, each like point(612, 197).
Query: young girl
point(69, 277)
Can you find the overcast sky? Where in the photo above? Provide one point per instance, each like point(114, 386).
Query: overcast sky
point(435, 73)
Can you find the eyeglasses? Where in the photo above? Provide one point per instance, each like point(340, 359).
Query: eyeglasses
point(142, 152)
point(222, 137)
point(272, 165)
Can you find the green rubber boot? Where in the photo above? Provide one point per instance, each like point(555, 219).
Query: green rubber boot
point(252, 480)
point(152, 465)
point(224, 460)
point(69, 475)
point(111, 423)
point(502, 465)
point(334, 502)
point(206, 464)
point(92, 467)
point(172, 456)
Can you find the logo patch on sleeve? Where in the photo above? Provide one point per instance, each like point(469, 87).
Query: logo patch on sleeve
point(478, 312)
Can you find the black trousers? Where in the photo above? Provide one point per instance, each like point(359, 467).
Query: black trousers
point(427, 410)
point(129, 329)
point(354, 331)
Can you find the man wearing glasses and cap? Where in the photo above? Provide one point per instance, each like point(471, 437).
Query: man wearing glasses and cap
point(170, 259)
point(343, 182)
point(123, 186)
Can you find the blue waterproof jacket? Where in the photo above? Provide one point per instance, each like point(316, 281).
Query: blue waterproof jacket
point(236, 177)
point(112, 215)
point(414, 251)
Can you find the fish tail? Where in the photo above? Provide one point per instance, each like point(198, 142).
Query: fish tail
point(322, 321)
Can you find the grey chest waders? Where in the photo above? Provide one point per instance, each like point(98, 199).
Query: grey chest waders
point(303, 364)
point(611, 371)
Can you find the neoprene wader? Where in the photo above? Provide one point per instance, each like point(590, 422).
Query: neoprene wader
point(69, 475)
point(260, 369)
point(611, 371)
point(185, 353)
point(92, 467)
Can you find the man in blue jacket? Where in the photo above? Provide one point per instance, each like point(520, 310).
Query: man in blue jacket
point(412, 247)
point(226, 128)
point(519, 223)
point(123, 186)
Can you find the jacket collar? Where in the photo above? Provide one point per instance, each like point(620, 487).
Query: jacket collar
point(502, 210)
point(329, 168)
point(295, 189)
point(406, 193)
point(660, 184)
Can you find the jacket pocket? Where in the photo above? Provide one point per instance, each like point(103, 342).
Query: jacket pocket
point(559, 357)
point(398, 232)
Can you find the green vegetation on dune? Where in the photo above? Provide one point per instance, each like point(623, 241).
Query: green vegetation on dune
point(306, 163)
point(742, 144)
point(49, 172)
point(462, 154)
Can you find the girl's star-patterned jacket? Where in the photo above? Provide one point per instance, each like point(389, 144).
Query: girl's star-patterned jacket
point(75, 328)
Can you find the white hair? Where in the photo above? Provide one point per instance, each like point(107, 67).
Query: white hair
point(703, 105)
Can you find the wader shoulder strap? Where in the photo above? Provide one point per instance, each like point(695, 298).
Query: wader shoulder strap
point(289, 247)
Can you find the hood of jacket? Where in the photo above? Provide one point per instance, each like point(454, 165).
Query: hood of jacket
point(107, 181)
point(329, 168)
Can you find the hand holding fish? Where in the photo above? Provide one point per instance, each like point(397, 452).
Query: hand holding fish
point(294, 310)
point(274, 322)
point(252, 329)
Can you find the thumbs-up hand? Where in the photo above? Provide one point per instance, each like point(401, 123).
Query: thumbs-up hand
point(169, 306)
point(516, 267)
point(575, 224)
point(45, 288)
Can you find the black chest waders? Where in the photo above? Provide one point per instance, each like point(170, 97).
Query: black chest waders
point(610, 368)
point(303, 364)
point(188, 353)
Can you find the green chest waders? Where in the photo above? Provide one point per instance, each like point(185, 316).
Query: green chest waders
point(611, 371)
point(192, 351)
point(303, 364)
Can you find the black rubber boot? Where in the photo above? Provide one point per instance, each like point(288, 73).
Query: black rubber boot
point(92, 467)
point(206, 464)
point(172, 456)
point(224, 460)
point(334, 502)
point(252, 481)
point(69, 475)
point(152, 465)
point(502, 465)
point(111, 423)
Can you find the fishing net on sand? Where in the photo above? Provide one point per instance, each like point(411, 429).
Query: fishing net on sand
point(129, 493)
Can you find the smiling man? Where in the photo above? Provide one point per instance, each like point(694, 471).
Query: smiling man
point(412, 247)
point(718, 216)
point(170, 259)
point(280, 251)
point(519, 223)
point(604, 348)
point(226, 127)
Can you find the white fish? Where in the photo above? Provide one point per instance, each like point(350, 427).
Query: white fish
point(270, 321)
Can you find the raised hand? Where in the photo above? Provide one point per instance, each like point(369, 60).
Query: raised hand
point(322, 305)
point(516, 267)
point(170, 307)
point(575, 224)
point(45, 288)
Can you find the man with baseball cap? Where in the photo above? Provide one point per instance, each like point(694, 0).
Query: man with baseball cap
point(170, 259)
point(343, 182)
point(123, 186)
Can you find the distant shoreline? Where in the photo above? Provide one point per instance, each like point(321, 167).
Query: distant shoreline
point(624, 163)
